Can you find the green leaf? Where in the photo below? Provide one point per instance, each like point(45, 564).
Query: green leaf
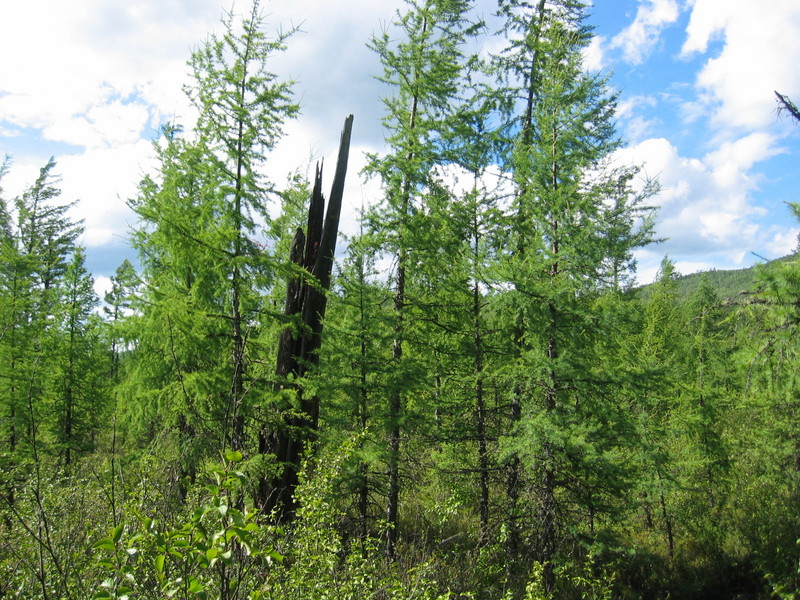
point(195, 587)
point(238, 517)
point(116, 533)
point(233, 456)
point(105, 544)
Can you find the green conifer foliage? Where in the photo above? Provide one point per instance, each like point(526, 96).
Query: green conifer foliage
point(573, 217)
point(35, 251)
point(656, 391)
point(199, 367)
point(354, 378)
point(119, 302)
point(80, 390)
point(424, 68)
point(768, 461)
point(705, 402)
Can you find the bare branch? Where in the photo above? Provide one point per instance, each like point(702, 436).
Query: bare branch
point(786, 105)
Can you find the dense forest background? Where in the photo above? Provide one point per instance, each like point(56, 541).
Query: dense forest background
point(485, 408)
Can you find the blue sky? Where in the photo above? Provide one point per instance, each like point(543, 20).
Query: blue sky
point(89, 82)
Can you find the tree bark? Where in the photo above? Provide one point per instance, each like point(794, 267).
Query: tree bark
point(298, 348)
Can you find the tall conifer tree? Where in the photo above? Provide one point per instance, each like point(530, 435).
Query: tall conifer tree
point(425, 69)
point(205, 269)
point(567, 197)
point(79, 386)
point(658, 376)
point(36, 250)
point(768, 461)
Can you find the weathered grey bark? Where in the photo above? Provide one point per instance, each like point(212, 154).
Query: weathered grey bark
point(298, 349)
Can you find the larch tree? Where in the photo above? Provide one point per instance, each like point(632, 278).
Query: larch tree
point(701, 422)
point(658, 378)
point(457, 263)
point(568, 201)
point(79, 388)
point(360, 331)
point(118, 305)
point(205, 270)
point(242, 110)
point(768, 460)
point(35, 250)
point(424, 68)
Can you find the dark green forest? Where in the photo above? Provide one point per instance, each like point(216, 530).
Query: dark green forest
point(467, 400)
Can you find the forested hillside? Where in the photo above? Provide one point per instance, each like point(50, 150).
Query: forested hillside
point(472, 402)
point(730, 285)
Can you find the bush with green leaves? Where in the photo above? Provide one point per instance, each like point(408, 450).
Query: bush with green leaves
point(225, 550)
point(220, 551)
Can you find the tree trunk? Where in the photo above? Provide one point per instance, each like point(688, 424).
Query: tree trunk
point(393, 466)
point(362, 407)
point(298, 349)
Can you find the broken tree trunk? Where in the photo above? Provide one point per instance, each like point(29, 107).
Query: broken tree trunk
point(298, 349)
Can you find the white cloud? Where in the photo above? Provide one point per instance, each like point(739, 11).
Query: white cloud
point(104, 125)
point(636, 128)
point(81, 59)
point(99, 181)
point(626, 107)
point(641, 36)
point(706, 206)
point(102, 285)
point(19, 177)
point(732, 162)
point(103, 179)
point(783, 242)
point(593, 58)
point(760, 46)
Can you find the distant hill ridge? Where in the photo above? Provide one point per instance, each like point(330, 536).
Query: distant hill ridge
point(728, 283)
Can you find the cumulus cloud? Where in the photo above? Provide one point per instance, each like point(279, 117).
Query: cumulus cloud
point(593, 58)
point(706, 207)
point(101, 77)
point(103, 180)
point(783, 241)
point(641, 36)
point(760, 45)
point(635, 126)
point(81, 61)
